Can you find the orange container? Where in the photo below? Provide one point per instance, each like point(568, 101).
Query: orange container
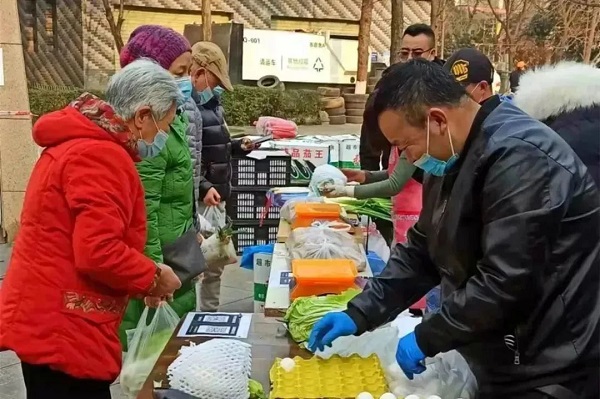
point(309, 212)
point(322, 276)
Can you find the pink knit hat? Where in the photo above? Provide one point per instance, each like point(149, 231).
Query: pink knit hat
point(156, 42)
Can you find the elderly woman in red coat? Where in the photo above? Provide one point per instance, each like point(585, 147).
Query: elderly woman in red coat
point(78, 255)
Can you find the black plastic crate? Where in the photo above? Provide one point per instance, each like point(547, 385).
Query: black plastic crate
point(250, 206)
point(248, 236)
point(275, 171)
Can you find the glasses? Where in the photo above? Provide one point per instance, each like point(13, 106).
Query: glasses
point(416, 53)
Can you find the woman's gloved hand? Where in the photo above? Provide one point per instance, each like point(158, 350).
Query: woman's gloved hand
point(409, 356)
point(359, 176)
point(331, 326)
point(335, 191)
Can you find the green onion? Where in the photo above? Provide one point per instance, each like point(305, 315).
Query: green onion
point(380, 208)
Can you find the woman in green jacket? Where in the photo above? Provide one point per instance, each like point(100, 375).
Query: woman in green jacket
point(167, 177)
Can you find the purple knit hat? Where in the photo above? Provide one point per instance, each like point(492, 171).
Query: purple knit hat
point(156, 42)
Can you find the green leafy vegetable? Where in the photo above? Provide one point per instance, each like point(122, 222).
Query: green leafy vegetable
point(304, 312)
point(374, 207)
point(256, 390)
point(155, 344)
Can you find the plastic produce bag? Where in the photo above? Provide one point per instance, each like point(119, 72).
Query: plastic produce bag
point(288, 211)
point(377, 244)
point(204, 225)
point(216, 369)
point(322, 242)
point(448, 374)
point(277, 127)
point(326, 175)
point(147, 343)
point(215, 216)
point(218, 248)
point(218, 251)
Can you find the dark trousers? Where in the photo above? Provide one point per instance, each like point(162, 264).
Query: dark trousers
point(42, 382)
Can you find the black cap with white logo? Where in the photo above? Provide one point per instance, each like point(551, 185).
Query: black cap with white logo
point(469, 65)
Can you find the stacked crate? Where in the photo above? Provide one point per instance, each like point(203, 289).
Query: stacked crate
point(256, 222)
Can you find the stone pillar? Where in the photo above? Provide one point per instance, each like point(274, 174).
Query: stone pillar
point(18, 152)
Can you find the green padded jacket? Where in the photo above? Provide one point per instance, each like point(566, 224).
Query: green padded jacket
point(168, 184)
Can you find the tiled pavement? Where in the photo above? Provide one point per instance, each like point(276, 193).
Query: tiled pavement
point(236, 296)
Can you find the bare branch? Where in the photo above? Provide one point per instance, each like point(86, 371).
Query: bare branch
point(115, 26)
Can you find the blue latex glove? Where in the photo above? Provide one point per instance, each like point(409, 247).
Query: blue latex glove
point(331, 326)
point(409, 356)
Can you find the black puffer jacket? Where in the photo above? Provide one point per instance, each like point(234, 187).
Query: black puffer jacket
point(512, 234)
point(566, 97)
point(217, 149)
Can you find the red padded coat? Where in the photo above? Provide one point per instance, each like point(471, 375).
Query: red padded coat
point(78, 254)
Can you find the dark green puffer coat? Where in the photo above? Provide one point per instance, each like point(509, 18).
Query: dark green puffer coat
point(169, 184)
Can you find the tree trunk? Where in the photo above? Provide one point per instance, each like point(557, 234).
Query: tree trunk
point(206, 21)
point(364, 33)
point(434, 16)
point(115, 26)
point(589, 40)
point(397, 29)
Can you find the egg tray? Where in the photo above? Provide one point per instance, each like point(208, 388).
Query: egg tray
point(333, 378)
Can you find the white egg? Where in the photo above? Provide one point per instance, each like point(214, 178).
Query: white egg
point(287, 364)
point(399, 392)
point(364, 395)
point(388, 395)
point(433, 397)
point(413, 396)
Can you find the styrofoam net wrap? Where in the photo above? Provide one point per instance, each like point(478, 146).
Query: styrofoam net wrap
point(216, 369)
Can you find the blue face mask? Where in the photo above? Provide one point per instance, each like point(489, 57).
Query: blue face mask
point(185, 86)
point(432, 165)
point(146, 150)
point(206, 95)
point(218, 91)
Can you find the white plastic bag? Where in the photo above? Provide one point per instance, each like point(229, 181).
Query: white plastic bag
point(218, 252)
point(215, 216)
point(322, 242)
point(147, 344)
point(447, 375)
point(377, 244)
point(204, 225)
point(326, 175)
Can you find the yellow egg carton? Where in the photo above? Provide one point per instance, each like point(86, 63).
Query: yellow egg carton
point(333, 378)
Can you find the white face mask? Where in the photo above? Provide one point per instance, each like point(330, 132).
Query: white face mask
point(146, 150)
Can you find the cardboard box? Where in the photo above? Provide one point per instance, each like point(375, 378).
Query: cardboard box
point(306, 156)
point(334, 147)
point(262, 269)
point(349, 147)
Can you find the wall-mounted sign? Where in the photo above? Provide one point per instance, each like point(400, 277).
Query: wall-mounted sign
point(298, 57)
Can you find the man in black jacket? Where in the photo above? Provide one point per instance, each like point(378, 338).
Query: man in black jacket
point(509, 227)
point(418, 41)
